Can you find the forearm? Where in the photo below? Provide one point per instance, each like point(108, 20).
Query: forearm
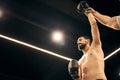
point(108, 21)
point(94, 29)
point(101, 18)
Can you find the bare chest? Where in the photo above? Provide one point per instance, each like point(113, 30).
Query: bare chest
point(91, 63)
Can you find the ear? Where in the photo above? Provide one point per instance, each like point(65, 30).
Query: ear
point(86, 41)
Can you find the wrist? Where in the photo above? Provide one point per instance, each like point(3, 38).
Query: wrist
point(87, 11)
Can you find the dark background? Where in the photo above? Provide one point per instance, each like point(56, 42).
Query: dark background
point(33, 21)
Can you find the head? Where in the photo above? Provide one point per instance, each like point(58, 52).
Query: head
point(82, 42)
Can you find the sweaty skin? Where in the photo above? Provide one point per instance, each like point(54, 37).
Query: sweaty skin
point(91, 65)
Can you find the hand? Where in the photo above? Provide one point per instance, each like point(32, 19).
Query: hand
point(91, 10)
point(83, 7)
point(73, 69)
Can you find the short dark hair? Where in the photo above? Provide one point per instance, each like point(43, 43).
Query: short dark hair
point(87, 37)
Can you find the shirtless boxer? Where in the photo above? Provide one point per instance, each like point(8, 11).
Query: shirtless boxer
point(91, 65)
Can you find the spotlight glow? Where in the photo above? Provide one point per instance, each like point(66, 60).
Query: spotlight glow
point(1, 13)
point(57, 36)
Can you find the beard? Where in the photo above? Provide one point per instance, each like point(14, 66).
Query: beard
point(82, 47)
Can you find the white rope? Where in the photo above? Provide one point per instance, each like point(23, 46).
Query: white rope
point(111, 54)
point(35, 47)
point(49, 52)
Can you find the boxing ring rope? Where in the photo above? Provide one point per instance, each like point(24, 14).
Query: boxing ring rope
point(111, 54)
point(35, 47)
point(46, 51)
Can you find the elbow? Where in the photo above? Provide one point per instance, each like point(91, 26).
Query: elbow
point(113, 25)
point(109, 24)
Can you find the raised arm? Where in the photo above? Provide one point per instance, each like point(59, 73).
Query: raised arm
point(94, 29)
point(108, 21)
point(84, 8)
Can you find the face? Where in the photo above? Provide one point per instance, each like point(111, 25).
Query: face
point(81, 43)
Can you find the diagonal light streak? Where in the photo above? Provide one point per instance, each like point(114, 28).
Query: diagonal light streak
point(35, 47)
point(49, 52)
point(111, 54)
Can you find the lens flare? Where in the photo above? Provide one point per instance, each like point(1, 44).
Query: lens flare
point(57, 36)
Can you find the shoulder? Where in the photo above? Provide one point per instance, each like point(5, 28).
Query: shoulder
point(81, 60)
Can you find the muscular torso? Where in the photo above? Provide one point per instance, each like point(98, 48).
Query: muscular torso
point(92, 65)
